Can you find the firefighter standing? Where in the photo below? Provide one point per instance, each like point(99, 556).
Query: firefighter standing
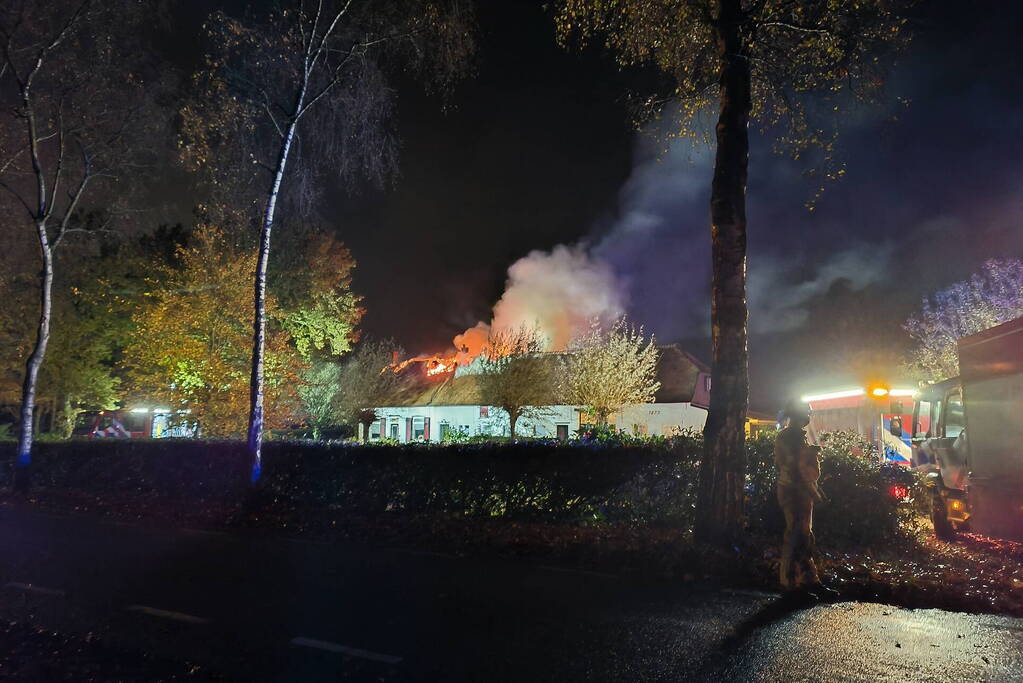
point(798, 466)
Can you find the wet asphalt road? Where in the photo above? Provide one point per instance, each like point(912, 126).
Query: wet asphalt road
point(256, 607)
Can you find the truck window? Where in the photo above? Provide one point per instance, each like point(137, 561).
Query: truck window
point(955, 419)
point(921, 419)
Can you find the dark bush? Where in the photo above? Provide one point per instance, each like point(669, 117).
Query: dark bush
point(859, 506)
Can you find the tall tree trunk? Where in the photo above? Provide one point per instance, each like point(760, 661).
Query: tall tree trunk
point(255, 444)
point(513, 419)
point(723, 470)
point(35, 360)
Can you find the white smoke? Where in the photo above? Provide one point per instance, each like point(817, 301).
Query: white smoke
point(560, 292)
point(653, 261)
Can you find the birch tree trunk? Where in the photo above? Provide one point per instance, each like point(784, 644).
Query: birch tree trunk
point(34, 362)
point(722, 472)
point(255, 442)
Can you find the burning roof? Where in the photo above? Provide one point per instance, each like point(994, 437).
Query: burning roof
point(678, 371)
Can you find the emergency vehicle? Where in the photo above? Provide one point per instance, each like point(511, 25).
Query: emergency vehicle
point(878, 412)
point(976, 482)
point(136, 423)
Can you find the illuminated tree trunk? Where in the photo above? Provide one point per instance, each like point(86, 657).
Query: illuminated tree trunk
point(34, 362)
point(723, 470)
point(255, 442)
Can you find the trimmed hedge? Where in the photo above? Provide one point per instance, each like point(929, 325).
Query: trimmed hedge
point(546, 480)
point(652, 483)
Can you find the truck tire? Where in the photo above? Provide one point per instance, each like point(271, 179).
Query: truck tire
point(939, 518)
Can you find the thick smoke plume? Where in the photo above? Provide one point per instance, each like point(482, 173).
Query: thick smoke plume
point(559, 292)
point(652, 260)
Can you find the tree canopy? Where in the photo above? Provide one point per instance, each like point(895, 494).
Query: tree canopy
point(610, 368)
point(991, 296)
point(808, 61)
point(190, 347)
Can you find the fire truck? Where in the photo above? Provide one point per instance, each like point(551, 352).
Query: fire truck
point(878, 412)
point(976, 482)
point(136, 423)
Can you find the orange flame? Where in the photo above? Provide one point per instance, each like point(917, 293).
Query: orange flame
point(438, 368)
point(435, 365)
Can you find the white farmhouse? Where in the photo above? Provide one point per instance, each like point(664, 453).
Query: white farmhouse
point(444, 404)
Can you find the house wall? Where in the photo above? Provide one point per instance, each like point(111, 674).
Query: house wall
point(653, 419)
point(661, 419)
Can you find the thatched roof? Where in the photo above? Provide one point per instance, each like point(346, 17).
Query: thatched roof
point(676, 369)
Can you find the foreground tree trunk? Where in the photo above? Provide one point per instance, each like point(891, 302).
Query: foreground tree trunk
point(255, 441)
point(723, 470)
point(35, 360)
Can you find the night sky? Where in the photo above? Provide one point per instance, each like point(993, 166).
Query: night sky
point(538, 150)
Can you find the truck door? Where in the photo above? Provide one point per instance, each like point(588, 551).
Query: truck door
point(950, 448)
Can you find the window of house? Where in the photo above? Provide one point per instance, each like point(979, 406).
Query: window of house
point(484, 411)
point(394, 429)
point(445, 429)
point(640, 430)
point(418, 428)
point(562, 432)
point(374, 430)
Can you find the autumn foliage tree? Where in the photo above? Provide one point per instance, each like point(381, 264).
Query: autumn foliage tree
point(991, 296)
point(190, 347)
point(609, 368)
point(515, 375)
point(776, 62)
point(298, 93)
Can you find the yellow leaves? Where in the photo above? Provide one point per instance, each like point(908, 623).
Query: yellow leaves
point(193, 339)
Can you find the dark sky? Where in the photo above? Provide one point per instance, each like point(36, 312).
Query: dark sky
point(538, 150)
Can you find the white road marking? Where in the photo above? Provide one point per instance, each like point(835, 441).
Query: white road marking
point(167, 614)
point(569, 570)
point(345, 650)
point(428, 553)
point(32, 588)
